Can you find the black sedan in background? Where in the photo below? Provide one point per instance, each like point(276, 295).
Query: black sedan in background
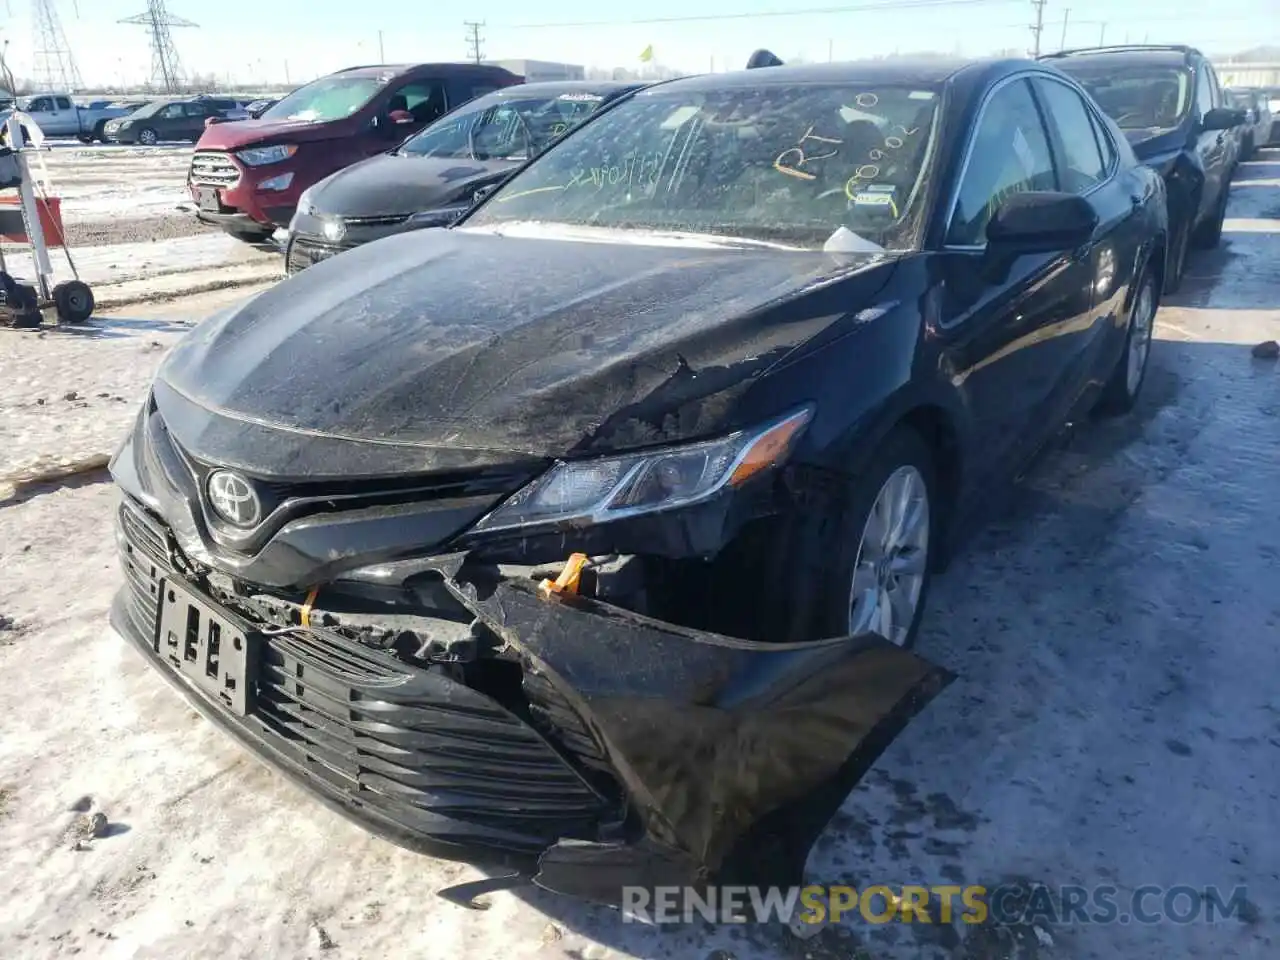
point(1173, 111)
point(166, 120)
point(431, 179)
point(590, 535)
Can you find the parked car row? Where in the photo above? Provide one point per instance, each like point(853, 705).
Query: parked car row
point(1176, 116)
point(550, 534)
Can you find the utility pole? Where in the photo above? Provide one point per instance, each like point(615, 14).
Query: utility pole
point(1066, 15)
point(382, 56)
point(474, 39)
point(1038, 27)
point(830, 50)
point(1102, 34)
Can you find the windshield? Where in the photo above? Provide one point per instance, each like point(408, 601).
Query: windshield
point(502, 128)
point(329, 98)
point(1139, 97)
point(790, 165)
point(150, 109)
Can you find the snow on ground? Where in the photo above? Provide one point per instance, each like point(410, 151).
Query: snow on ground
point(128, 219)
point(115, 193)
point(1115, 720)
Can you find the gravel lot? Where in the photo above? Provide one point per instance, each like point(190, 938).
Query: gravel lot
point(1115, 722)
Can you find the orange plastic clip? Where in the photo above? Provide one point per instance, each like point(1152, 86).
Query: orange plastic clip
point(569, 577)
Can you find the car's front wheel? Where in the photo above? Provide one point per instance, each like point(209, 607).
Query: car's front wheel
point(148, 137)
point(1121, 392)
point(867, 568)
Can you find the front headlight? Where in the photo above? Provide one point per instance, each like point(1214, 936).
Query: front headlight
point(441, 217)
point(260, 156)
point(612, 488)
point(333, 229)
point(123, 124)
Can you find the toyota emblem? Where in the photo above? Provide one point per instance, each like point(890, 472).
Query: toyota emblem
point(233, 500)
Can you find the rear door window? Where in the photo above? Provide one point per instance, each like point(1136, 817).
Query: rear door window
point(1081, 163)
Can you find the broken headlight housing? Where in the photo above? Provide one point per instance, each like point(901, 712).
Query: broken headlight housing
point(613, 488)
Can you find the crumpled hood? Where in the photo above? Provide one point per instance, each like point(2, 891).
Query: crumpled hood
point(441, 342)
point(387, 185)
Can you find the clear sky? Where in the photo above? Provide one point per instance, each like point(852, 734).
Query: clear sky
point(260, 42)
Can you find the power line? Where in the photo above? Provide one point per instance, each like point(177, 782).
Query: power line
point(474, 39)
point(881, 6)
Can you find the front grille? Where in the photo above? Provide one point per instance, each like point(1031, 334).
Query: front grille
point(392, 736)
point(389, 735)
point(303, 253)
point(212, 168)
point(144, 557)
point(392, 220)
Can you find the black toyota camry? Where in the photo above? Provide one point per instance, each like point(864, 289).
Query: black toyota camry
point(591, 535)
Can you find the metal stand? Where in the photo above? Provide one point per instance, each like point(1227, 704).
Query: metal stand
point(71, 301)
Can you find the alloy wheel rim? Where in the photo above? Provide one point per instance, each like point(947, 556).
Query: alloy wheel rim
point(147, 137)
point(893, 555)
point(1140, 338)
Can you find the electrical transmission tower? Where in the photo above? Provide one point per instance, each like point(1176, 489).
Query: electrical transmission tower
point(474, 39)
point(55, 68)
point(166, 68)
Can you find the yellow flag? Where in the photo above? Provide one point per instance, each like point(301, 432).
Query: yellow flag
point(647, 54)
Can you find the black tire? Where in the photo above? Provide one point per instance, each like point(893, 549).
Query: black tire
point(1209, 234)
point(1119, 396)
point(822, 551)
point(147, 137)
point(247, 235)
point(100, 131)
point(74, 301)
point(85, 138)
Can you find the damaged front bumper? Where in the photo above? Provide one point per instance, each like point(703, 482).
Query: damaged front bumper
point(627, 751)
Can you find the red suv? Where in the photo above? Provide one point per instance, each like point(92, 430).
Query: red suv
point(247, 176)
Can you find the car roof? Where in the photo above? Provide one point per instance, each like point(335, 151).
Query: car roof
point(555, 88)
point(1171, 56)
point(926, 71)
point(396, 69)
point(897, 70)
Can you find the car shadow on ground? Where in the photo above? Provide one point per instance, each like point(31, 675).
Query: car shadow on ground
point(113, 328)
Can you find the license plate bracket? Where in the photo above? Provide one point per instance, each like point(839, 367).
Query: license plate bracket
point(207, 198)
point(210, 648)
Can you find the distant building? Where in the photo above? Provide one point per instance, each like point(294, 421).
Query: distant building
point(535, 71)
point(1248, 74)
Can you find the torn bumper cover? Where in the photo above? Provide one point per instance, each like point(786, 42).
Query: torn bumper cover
point(695, 757)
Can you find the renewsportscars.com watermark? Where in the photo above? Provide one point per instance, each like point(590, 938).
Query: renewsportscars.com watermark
point(1012, 904)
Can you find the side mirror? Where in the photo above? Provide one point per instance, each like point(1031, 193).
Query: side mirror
point(1041, 222)
point(1223, 118)
point(1035, 222)
point(483, 192)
